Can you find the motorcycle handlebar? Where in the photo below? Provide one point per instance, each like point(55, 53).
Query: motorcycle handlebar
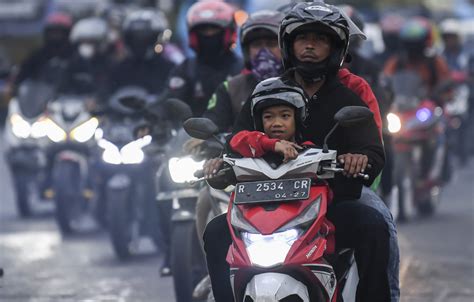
point(338, 169)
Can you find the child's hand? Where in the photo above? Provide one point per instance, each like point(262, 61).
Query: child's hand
point(287, 149)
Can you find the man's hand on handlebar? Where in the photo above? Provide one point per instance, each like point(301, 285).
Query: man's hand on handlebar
point(353, 164)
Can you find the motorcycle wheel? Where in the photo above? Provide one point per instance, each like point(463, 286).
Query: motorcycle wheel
point(121, 223)
point(405, 182)
point(68, 199)
point(428, 207)
point(187, 260)
point(23, 186)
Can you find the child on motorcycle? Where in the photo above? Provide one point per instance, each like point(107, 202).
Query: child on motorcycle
point(277, 118)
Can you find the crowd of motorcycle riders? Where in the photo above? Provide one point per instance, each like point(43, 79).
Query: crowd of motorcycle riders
point(424, 76)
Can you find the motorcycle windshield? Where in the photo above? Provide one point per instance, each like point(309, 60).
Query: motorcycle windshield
point(409, 90)
point(33, 97)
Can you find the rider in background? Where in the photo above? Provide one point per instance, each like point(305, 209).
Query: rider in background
point(453, 52)
point(417, 40)
point(90, 65)
point(145, 32)
point(56, 50)
point(259, 42)
point(212, 35)
point(390, 25)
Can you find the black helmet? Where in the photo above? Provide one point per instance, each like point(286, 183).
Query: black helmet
point(264, 23)
point(144, 28)
point(274, 92)
point(324, 17)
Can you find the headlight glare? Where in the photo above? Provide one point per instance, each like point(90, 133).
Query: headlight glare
point(270, 250)
point(182, 169)
point(20, 127)
point(85, 131)
point(131, 153)
point(394, 123)
point(54, 132)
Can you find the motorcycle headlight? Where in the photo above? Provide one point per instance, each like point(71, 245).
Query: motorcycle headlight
point(111, 154)
point(270, 250)
point(53, 131)
point(394, 123)
point(39, 128)
point(20, 127)
point(131, 153)
point(85, 131)
point(182, 169)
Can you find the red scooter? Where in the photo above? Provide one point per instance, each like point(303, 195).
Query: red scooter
point(283, 246)
point(418, 128)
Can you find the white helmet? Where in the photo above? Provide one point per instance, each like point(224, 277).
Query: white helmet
point(450, 27)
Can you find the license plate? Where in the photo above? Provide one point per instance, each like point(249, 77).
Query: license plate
point(272, 190)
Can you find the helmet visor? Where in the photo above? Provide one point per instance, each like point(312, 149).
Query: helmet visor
point(354, 30)
point(290, 98)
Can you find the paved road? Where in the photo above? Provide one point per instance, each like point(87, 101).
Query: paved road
point(40, 266)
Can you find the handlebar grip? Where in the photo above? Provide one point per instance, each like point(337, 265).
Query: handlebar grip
point(199, 174)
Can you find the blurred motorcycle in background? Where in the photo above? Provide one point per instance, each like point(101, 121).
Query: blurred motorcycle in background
point(25, 134)
point(418, 128)
point(127, 172)
point(71, 130)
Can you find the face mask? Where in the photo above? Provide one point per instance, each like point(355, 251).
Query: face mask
point(265, 65)
point(86, 50)
point(210, 47)
point(311, 72)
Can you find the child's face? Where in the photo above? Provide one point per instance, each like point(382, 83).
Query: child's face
point(279, 122)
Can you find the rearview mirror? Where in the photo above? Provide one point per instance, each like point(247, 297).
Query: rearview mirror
point(178, 109)
point(352, 115)
point(202, 128)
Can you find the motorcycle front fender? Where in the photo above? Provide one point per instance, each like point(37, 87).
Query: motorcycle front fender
point(183, 215)
point(275, 287)
point(119, 182)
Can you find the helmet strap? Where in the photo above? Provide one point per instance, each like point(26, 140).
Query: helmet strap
point(311, 72)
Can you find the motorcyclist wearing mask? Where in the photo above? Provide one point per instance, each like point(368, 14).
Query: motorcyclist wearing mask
point(259, 41)
point(314, 39)
point(90, 65)
point(56, 49)
point(212, 34)
point(144, 32)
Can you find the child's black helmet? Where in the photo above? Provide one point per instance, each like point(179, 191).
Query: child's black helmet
point(274, 92)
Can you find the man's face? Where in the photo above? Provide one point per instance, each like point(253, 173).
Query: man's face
point(268, 43)
point(311, 47)
point(279, 122)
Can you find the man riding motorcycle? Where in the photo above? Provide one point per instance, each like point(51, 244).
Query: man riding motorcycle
point(314, 42)
point(417, 38)
point(56, 46)
point(143, 65)
point(212, 34)
point(259, 41)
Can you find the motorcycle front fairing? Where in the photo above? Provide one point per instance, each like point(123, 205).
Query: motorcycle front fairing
point(283, 241)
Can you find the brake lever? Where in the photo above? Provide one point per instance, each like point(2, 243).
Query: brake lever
point(201, 177)
point(340, 170)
